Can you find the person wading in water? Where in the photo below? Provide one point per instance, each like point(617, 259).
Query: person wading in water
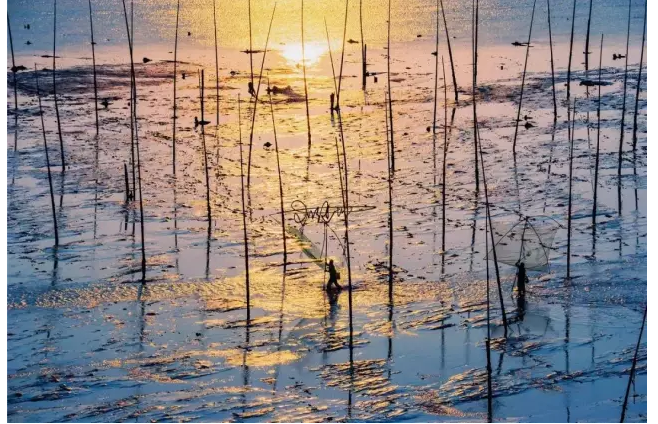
point(333, 276)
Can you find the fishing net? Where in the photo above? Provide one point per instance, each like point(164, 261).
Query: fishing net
point(529, 241)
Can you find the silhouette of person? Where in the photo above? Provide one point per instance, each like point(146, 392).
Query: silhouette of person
point(333, 276)
point(331, 101)
point(521, 277)
point(251, 88)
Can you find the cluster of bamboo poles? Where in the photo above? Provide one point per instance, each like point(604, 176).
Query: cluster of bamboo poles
point(134, 191)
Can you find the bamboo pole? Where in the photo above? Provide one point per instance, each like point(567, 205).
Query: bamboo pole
point(278, 169)
point(59, 124)
point(126, 183)
point(390, 96)
point(214, 16)
point(525, 67)
point(445, 157)
point(476, 6)
point(573, 23)
point(342, 58)
point(598, 141)
point(45, 148)
point(589, 22)
point(93, 62)
point(452, 62)
point(253, 116)
point(308, 118)
point(251, 49)
point(363, 47)
point(623, 107)
point(390, 208)
point(331, 57)
point(491, 234)
point(639, 78)
point(244, 213)
point(550, 42)
point(139, 170)
point(436, 72)
point(203, 146)
point(633, 367)
point(571, 142)
point(173, 139)
point(13, 71)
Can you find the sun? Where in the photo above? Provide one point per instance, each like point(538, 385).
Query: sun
point(293, 53)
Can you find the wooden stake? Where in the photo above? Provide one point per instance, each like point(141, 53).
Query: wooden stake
point(45, 148)
point(436, 71)
point(571, 142)
point(244, 213)
point(550, 42)
point(476, 6)
point(491, 234)
point(203, 146)
point(589, 21)
point(214, 16)
point(639, 78)
point(139, 170)
point(308, 118)
point(633, 367)
point(452, 62)
point(342, 58)
point(59, 124)
point(445, 157)
point(93, 62)
point(390, 95)
point(525, 67)
point(278, 168)
point(13, 71)
point(173, 139)
point(573, 23)
point(253, 116)
point(598, 141)
point(623, 107)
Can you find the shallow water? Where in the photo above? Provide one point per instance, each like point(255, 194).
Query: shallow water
point(87, 341)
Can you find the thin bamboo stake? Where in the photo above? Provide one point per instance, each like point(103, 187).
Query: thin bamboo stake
point(139, 170)
point(488, 341)
point(308, 118)
point(45, 148)
point(126, 183)
point(390, 209)
point(13, 70)
point(550, 42)
point(363, 47)
point(203, 146)
point(633, 367)
point(573, 23)
point(452, 62)
point(59, 124)
point(571, 142)
point(251, 49)
point(639, 78)
point(278, 168)
point(491, 234)
point(342, 58)
point(244, 213)
point(253, 116)
point(623, 107)
point(390, 96)
point(589, 22)
point(93, 62)
point(173, 139)
point(331, 57)
point(598, 141)
point(436, 71)
point(525, 67)
point(214, 16)
point(445, 157)
point(476, 7)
